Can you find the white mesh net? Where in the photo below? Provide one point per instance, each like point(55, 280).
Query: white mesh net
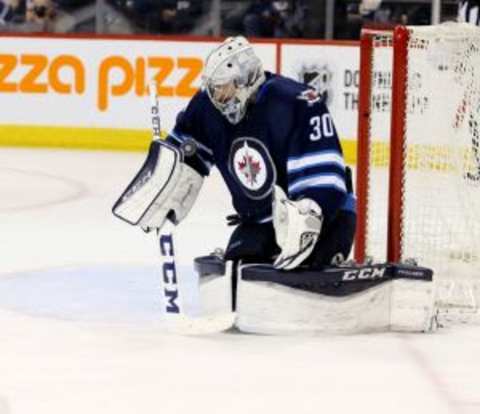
point(441, 184)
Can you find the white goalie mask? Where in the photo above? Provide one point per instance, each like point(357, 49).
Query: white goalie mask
point(231, 76)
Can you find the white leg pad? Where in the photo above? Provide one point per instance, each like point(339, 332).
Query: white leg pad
point(270, 308)
point(216, 293)
point(413, 306)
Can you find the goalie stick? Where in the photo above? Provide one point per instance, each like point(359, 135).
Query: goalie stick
point(173, 291)
point(171, 298)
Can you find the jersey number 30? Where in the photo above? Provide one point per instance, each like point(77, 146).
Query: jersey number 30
point(322, 127)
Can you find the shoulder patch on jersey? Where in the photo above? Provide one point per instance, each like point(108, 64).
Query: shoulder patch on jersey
point(252, 167)
point(310, 96)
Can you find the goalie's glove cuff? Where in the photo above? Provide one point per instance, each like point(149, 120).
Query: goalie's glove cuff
point(297, 228)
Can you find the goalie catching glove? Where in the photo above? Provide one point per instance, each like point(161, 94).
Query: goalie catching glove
point(297, 228)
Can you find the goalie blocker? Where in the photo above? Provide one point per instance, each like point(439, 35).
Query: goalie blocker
point(345, 299)
point(164, 188)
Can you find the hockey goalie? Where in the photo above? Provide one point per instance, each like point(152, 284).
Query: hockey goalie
point(276, 146)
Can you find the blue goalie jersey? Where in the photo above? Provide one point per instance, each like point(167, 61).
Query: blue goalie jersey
point(287, 137)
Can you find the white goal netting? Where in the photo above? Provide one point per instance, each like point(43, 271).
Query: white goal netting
point(440, 191)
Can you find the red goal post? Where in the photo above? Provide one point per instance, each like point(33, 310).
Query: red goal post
point(418, 157)
point(397, 132)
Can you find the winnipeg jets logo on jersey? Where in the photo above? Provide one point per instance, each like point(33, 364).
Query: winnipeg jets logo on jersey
point(252, 167)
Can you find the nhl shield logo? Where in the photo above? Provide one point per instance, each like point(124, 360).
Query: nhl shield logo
point(319, 76)
point(252, 167)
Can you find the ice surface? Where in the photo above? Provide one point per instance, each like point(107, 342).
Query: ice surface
point(79, 334)
point(117, 294)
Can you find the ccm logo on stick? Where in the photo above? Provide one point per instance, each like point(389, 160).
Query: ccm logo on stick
point(157, 130)
point(366, 273)
point(169, 273)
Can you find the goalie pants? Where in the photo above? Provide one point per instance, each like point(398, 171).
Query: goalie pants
point(255, 242)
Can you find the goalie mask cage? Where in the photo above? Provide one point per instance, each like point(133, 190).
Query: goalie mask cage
point(418, 161)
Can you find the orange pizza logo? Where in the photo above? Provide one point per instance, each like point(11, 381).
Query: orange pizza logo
point(40, 74)
point(34, 68)
point(134, 77)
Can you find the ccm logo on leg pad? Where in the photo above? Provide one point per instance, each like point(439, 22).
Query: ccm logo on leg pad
point(366, 273)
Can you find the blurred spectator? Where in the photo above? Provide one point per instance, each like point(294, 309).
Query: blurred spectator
point(377, 15)
point(347, 23)
point(7, 10)
point(270, 18)
point(368, 9)
point(74, 16)
point(166, 16)
point(72, 4)
point(469, 11)
point(380, 14)
point(40, 14)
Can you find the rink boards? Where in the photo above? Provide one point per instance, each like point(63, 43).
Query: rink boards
point(87, 92)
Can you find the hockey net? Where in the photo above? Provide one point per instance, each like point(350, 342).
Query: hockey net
point(418, 172)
